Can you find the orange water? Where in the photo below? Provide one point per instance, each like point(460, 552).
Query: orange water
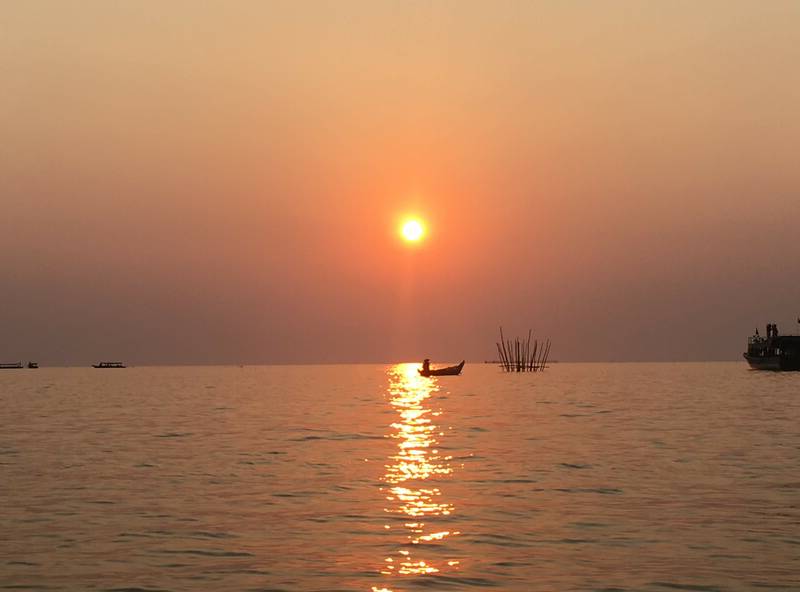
point(369, 478)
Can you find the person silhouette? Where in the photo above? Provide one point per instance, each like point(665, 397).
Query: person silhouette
point(426, 365)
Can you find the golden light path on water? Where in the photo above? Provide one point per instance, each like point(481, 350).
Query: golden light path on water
point(412, 476)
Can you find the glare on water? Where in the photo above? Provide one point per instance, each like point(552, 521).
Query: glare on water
point(414, 501)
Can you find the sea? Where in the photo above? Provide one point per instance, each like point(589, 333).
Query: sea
point(369, 478)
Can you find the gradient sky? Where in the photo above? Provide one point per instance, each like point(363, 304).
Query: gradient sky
point(221, 182)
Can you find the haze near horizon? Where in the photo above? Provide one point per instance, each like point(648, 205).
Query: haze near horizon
point(201, 182)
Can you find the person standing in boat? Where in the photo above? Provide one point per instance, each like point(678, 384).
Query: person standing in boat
point(426, 365)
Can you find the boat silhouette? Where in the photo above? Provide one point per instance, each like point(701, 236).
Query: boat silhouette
point(773, 352)
point(447, 371)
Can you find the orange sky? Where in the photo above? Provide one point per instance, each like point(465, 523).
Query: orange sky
point(214, 182)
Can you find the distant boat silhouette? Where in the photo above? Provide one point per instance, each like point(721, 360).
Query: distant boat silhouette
point(448, 371)
point(109, 365)
point(773, 352)
point(11, 366)
point(33, 365)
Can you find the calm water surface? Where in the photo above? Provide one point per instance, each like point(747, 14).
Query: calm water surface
point(619, 477)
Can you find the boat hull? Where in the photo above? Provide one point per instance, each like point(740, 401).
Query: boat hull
point(774, 363)
point(449, 371)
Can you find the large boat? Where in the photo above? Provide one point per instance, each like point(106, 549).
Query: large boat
point(773, 352)
point(11, 366)
point(109, 365)
point(448, 371)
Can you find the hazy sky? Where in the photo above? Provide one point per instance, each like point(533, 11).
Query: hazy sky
point(222, 181)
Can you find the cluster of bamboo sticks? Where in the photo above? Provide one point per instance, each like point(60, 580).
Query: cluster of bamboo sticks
point(519, 356)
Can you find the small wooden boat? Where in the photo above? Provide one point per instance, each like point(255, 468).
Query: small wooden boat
point(448, 371)
point(109, 365)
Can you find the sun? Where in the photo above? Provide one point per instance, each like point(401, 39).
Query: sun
point(412, 230)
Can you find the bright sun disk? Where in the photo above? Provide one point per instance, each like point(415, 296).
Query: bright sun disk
point(413, 230)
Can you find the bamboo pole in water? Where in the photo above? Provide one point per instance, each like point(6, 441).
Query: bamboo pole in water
point(527, 349)
point(505, 353)
point(541, 357)
point(546, 354)
point(522, 354)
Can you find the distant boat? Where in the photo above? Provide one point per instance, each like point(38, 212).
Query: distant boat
point(11, 366)
point(109, 365)
point(773, 352)
point(448, 371)
point(33, 365)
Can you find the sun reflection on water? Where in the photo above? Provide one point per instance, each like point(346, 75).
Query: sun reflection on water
point(412, 475)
